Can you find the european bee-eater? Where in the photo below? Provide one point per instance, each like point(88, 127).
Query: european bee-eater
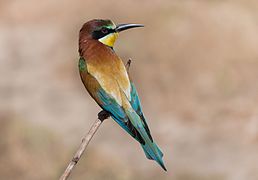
point(105, 77)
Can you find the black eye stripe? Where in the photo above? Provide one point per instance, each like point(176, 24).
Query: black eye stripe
point(101, 33)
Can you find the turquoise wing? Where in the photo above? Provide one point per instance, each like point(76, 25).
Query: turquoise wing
point(136, 105)
point(118, 114)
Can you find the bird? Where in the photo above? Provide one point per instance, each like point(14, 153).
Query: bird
point(106, 79)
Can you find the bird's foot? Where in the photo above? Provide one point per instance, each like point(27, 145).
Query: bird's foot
point(102, 115)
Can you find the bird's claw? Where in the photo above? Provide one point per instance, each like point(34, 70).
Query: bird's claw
point(102, 115)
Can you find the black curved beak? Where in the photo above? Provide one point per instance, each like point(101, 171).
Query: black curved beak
point(122, 27)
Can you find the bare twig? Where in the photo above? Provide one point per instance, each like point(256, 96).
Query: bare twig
point(85, 141)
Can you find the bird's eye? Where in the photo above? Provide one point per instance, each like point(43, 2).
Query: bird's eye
point(104, 30)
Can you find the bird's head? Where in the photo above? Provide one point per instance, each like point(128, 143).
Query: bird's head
point(105, 31)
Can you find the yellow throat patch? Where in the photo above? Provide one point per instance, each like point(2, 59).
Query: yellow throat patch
point(109, 39)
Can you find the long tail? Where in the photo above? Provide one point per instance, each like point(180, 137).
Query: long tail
point(153, 152)
point(150, 148)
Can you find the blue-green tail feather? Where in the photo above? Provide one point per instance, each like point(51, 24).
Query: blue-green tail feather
point(133, 121)
point(154, 153)
point(150, 148)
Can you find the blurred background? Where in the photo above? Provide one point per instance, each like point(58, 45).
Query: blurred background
point(195, 65)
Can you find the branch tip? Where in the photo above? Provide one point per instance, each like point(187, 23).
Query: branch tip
point(128, 64)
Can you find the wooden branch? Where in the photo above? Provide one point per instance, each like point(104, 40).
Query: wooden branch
point(85, 141)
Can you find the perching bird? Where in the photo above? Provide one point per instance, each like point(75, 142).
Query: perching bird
point(105, 77)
